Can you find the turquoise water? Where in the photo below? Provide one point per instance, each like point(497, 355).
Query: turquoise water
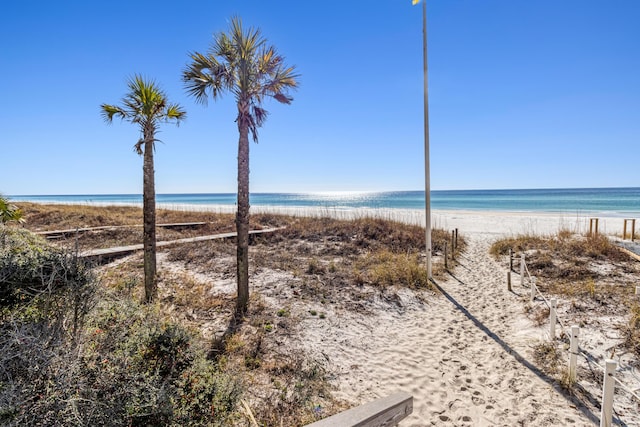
point(612, 201)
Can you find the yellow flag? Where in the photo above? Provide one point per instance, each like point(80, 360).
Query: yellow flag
point(415, 2)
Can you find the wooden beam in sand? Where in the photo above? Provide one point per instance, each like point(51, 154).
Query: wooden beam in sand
point(124, 250)
point(630, 253)
point(387, 411)
point(54, 234)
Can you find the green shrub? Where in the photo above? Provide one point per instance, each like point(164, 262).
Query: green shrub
point(124, 365)
point(204, 397)
point(9, 212)
point(30, 267)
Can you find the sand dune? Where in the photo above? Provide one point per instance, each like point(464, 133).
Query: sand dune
point(464, 355)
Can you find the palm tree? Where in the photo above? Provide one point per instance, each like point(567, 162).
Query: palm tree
point(9, 212)
point(242, 63)
point(147, 106)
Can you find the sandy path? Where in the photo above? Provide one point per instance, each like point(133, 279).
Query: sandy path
point(464, 356)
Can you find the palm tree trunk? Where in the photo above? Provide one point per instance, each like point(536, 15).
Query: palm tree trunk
point(242, 218)
point(149, 220)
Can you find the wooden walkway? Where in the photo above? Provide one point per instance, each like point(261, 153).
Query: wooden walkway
point(631, 248)
point(124, 250)
point(56, 234)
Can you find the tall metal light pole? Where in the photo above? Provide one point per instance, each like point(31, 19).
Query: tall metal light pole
point(427, 183)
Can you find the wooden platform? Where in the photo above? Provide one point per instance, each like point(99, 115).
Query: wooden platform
point(125, 250)
point(57, 234)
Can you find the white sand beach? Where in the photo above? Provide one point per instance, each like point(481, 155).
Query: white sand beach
point(465, 355)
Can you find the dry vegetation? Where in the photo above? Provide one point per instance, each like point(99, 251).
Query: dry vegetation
point(588, 270)
point(184, 354)
point(40, 217)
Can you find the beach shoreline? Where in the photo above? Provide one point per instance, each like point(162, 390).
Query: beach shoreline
point(498, 222)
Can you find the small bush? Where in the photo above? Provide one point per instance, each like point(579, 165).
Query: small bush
point(29, 267)
point(386, 268)
point(315, 267)
point(547, 356)
point(520, 243)
point(631, 332)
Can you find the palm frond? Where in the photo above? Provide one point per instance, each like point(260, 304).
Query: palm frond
point(260, 115)
point(144, 104)
point(240, 61)
point(109, 111)
point(176, 113)
point(204, 76)
point(138, 147)
point(9, 212)
point(284, 99)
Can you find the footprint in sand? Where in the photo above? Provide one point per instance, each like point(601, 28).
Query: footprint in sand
point(476, 399)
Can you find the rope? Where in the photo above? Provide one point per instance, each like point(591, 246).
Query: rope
point(624, 387)
point(562, 326)
point(541, 296)
point(588, 358)
point(527, 274)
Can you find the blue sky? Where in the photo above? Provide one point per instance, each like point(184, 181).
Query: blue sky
point(523, 94)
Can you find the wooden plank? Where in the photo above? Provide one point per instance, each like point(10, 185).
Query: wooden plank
point(631, 254)
point(181, 224)
point(122, 250)
point(110, 227)
point(630, 248)
point(71, 231)
point(385, 412)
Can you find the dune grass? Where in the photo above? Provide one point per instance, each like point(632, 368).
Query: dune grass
point(588, 270)
point(160, 345)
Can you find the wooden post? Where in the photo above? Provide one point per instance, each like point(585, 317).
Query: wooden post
point(77, 244)
point(573, 353)
point(522, 269)
point(552, 318)
point(453, 244)
point(593, 222)
point(624, 229)
point(533, 289)
point(445, 256)
point(608, 386)
point(457, 238)
point(633, 229)
point(509, 281)
point(510, 259)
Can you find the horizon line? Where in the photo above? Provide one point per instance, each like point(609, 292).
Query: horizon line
point(328, 192)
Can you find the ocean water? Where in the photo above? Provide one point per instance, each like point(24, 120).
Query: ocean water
point(610, 201)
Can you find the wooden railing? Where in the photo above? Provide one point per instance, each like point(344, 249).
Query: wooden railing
point(385, 412)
